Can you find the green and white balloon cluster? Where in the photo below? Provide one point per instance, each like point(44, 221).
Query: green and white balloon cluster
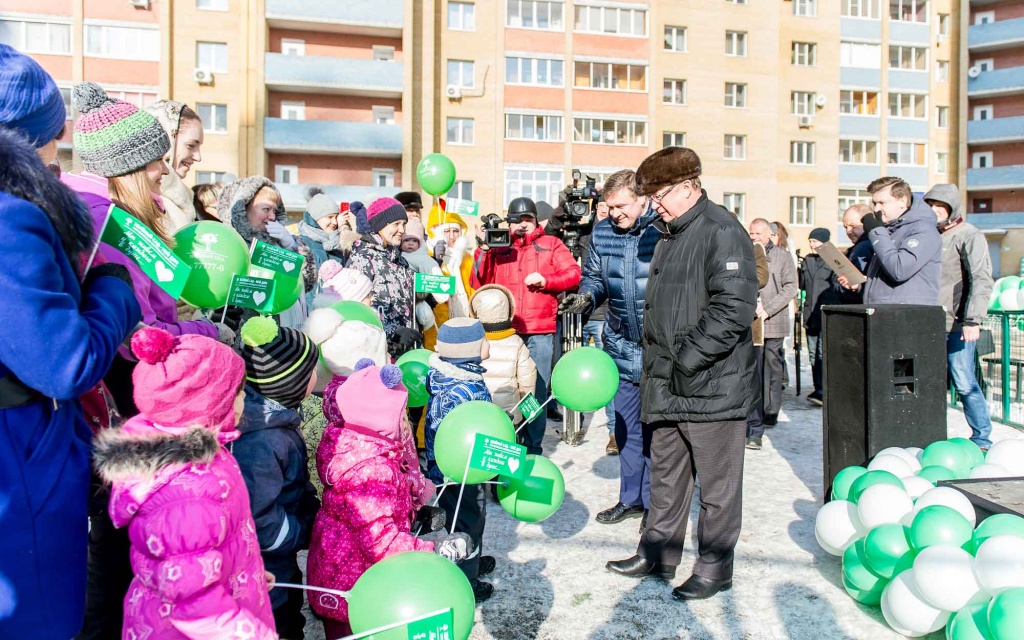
point(1007, 294)
point(913, 548)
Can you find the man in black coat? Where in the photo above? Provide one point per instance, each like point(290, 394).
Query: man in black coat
point(819, 285)
point(699, 375)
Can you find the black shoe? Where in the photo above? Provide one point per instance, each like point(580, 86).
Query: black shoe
point(771, 420)
point(618, 513)
point(754, 444)
point(487, 565)
point(554, 414)
point(699, 588)
point(816, 398)
point(643, 522)
point(481, 590)
point(638, 567)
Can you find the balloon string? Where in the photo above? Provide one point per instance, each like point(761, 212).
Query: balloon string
point(394, 625)
point(306, 587)
point(462, 489)
point(434, 503)
point(526, 422)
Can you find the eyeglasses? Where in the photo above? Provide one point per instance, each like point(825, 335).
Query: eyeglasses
point(658, 197)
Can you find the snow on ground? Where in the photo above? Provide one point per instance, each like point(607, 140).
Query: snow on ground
point(551, 584)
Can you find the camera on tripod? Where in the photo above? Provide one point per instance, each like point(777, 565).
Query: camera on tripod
point(580, 202)
point(494, 235)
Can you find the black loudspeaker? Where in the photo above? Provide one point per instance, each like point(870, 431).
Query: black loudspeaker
point(885, 381)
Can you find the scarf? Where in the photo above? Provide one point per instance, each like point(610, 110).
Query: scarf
point(500, 335)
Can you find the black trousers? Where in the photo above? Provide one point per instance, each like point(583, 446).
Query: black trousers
point(680, 451)
point(774, 370)
point(814, 353)
point(109, 571)
point(288, 617)
point(472, 518)
point(755, 419)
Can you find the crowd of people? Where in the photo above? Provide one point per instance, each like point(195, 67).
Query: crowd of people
point(163, 466)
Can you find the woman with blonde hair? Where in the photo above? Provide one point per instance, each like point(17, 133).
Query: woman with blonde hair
point(204, 201)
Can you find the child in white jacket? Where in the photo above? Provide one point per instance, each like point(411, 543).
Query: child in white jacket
point(510, 371)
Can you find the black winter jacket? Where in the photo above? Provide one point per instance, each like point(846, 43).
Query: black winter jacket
point(699, 361)
point(819, 284)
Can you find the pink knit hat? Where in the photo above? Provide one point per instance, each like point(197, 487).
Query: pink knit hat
point(384, 211)
point(186, 381)
point(374, 398)
point(344, 284)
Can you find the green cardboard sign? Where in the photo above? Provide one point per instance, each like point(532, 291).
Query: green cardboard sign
point(436, 626)
point(276, 259)
point(462, 207)
point(498, 456)
point(429, 283)
point(529, 407)
point(135, 240)
point(251, 293)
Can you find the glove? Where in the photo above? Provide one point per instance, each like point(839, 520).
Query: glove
point(408, 339)
point(431, 518)
point(440, 249)
point(280, 233)
point(225, 335)
point(108, 269)
point(870, 222)
point(424, 315)
point(455, 547)
point(576, 303)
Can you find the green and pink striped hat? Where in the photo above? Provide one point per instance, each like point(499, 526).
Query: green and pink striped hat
point(113, 137)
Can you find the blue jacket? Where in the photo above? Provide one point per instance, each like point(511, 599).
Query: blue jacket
point(616, 270)
point(272, 456)
point(907, 264)
point(449, 386)
point(60, 342)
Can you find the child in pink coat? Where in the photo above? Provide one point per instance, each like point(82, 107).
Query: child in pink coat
point(194, 550)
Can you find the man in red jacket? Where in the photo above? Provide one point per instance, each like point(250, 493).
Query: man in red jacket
point(536, 268)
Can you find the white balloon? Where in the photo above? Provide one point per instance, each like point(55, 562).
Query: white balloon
point(907, 456)
point(999, 563)
point(989, 470)
point(894, 464)
point(916, 486)
point(837, 526)
point(917, 452)
point(948, 497)
point(1008, 454)
point(944, 575)
point(906, 611)
point(883, 504)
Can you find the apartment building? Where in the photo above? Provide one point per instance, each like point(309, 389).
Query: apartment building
point(994, 124)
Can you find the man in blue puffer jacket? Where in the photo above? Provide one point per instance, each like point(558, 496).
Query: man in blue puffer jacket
point(616, 270)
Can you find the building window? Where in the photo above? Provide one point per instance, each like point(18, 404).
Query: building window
point(941, 162)
point(286, 174)
point(981, 205)
point(673, 139)
point(141, 99)
point(942, 71)
point(604, 75)
point(909, 58)
point(801, 210)
point(462, 16)
point(293, 47)
point(212, 56)
point(46, 38)
point(801, 153)
point(212, 5)
point(675, 39)
point(984, 17)
point(735, 43)
point(907, 153)
point(674, 92)
point(293, 110)
point(983, 112)
point(861, 55)
point(802, 103)
point(805, 54)
point(543, 128)
point(736, 1)
point(383, 53)
point(735, 147)
point(382, 178)
point(210, 177)
point(214, 117)
point(943, 25)
point(460, 130)
point(850, 197)
point(611, 20)
point(460, 73)
point(383, 115)
point(462, 189)
point(942, 117)
point(808, 8)
point(69, 108)
point(908, 10)
point(908, 105)
point(985, 64)
point(610, 131)
point(534, 14)
point(736, 203)
point(122, 43)
point(858, 152)
point(534, 71)
point(540, 185)
point(861, 103)
point(736, 95)
point(981, 160)
point(861, 9)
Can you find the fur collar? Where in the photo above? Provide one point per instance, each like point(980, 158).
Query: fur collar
point(119, 456)
point(455, 371)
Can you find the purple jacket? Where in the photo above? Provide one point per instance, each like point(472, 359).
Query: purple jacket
point(158, 309)
point(194, 550)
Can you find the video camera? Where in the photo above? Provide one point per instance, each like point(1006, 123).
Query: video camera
point(494, 235)
point(580, 202)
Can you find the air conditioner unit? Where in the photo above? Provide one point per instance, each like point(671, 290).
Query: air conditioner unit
point(821, 100)
point(202, 76)
point(974, 71)
point(139, 4)
point(806, 122)
point(454, 92)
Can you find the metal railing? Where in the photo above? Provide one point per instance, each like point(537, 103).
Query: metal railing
point(1000, 366)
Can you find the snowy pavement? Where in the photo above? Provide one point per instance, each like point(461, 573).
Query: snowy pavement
point(551, 583)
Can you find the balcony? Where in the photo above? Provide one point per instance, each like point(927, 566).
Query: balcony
point(996, 130)
point(996, 222)
point(858, 175)
point(900, 80)
point(909, 32)
point(1001, 82)
point(860, 78)
point(861, 29)
point(328, 137)
point(996, 35)
point(996, 178)
point(357, 17)
point(907, 129)
point(340, 76)
point(294, 195)
point(860, 126)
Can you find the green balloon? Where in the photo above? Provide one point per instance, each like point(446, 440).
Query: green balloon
point(456, 436)
point(975, 455)
point(537, 495)
point(1000, 524)
point(970, 623)
point(870, 597)
point(934, 473)
point(884, 546)
point(1008, 283)
point(216, 254)
point(414, 365)
point(406, 586)
point(947, 454)
point(1006, 615)
point(870, 479)
point(436, 174)
point(287, 291)
point(856, 571)
point(351, 310)
point(844, 481)
point(939, 524)
point(585, 379)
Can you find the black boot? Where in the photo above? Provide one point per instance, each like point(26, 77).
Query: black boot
point(638, 567)
point(643, 522)
point(618, 513)
point(481, 590)
point(698, 588)
point(487, 565)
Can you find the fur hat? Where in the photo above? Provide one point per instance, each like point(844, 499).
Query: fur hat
point(279, 361)
point(374, 398)
point(460, 340)
point(236, 197)
point(669, 166)
point(343, 343)
point(410, 199)
point(494, 305)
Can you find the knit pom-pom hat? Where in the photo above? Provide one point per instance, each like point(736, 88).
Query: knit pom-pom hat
point(114, 137)
point(186, 381)
point(279, 361)
point(344, 343)
point(374, 398)
point(344, 284)
point(32, 104)
point(384, 211)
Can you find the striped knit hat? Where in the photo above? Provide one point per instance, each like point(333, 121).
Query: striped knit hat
point(113, 137)
point(279, 362)
point(460, 340)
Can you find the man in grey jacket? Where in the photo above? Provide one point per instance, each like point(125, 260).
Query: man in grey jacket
point(964, 288)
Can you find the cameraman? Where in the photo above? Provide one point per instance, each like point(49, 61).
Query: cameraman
point(535, 268)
